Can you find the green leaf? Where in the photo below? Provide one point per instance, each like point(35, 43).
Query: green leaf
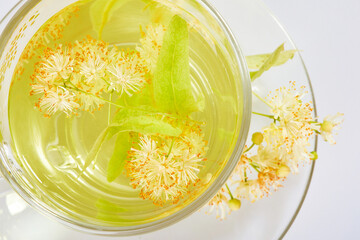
point(143, 98)
point(148, 125)
point(101, 11)
point(124, 115)
point(270, 62)
point(256, 61)
point(171, 82)
point(118, 159)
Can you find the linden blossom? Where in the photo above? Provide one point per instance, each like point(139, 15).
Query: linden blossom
point(163, 170)
point(165, 157)
point(282, 145)
point(85, 69)
point(151, 44)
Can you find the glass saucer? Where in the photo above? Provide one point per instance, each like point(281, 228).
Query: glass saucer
point(257, 31)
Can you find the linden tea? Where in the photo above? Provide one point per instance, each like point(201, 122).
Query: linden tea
point(123, 112)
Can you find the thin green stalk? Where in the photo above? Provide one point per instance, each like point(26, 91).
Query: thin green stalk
point(102, 99)
point(261, 99)
point(109, 112)
point(264, 115)
point(171, 146)
point(254, 167)
point(252, 145)
point(231, 196)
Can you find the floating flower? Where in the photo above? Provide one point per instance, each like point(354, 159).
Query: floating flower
point(164, 169)
point(87, 69)
point(124, 78)
point(93, 70)
point(58, 64)
point(196, 143)
point(188, 168)
point(151, 44)
point(58, 100)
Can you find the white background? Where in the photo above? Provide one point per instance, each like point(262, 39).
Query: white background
point(328, 32)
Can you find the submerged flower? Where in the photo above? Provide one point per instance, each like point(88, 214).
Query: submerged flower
point(58, 64)
point(164, 169)
point(151, 44)
point(93, 69)
point(124, 78)
point(87, 69)
point(188, 168)
point(328, 126)
point(58, 100)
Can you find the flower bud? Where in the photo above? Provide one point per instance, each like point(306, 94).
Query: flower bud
point(234, 204)
point(326, 126)
point(283, 171)
point(257, 138)
point(314, 155)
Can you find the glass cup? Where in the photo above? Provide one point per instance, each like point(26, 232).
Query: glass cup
point(16, 30)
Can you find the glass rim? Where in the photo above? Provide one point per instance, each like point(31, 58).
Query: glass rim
point(14, 17)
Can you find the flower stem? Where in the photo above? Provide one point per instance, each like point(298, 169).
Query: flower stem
point(261, 99)
point(171, 146)
point(109, 112)
point(231, 196)
point(102, 99)
point(254, 167)
point(248, 149)
point(264, 115)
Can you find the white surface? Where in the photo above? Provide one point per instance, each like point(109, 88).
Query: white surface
point(328, 34)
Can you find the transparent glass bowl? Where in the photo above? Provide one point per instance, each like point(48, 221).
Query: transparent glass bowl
point(15, 29)
point(257, 31)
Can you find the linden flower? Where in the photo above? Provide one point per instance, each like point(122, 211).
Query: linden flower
point(219, 204)
point(58, 64)
point(294, 115)
point(124, 79)
point(299, 153)
point(266, 157)
point(58, 100)
point(195, 142)
point(240, 171)
point(93, 70)
point(328, 126)
point(40, 85)
point(163, 170)
point(250, 190)
point(268, 179)
point(88, 99)
point(161, 173)
point(154, 173)
point(285, 101)
point(188, 169)
point(148, 148)
point(151, 45)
